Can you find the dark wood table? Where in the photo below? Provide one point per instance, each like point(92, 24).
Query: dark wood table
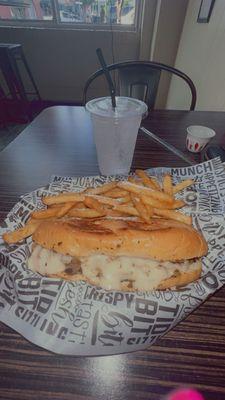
point(59, 141)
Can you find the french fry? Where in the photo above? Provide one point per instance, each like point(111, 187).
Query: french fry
point(175, 215)
point(21, 233)
point(124, 200)
point(149, 182)
point(107, 200)
point(149, 209)
point(101, 189)
point(156, 203)
point(116, 193)
point(55, 206)
point(45, 213)
point(85, 213)
point(112, 201)
point(158, 187)
point(140, 207)
point(63, 198)
point(132, 179)
point(124, 209)
point(64, 209)
point(162, 204)
point(57, 211)
point(182, 185)
point(94, 204)
point(115, 214)
point(130, 203)
point(178, 204)
point(79, 205)
point(139, 190)
point(167, 184)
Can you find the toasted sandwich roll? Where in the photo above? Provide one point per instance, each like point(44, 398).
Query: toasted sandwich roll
point(118, 254)
point(161, 240)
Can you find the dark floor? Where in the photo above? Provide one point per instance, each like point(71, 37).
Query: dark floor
point(9, 133)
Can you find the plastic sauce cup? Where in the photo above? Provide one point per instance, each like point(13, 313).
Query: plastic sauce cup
point(198, 137)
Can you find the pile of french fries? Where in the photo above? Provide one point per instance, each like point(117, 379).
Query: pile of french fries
point(141, 196)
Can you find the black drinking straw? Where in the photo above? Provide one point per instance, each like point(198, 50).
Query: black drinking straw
point(108, 76)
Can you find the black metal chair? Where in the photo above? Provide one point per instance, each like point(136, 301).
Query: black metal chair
point(19, 90)
point(140, 79)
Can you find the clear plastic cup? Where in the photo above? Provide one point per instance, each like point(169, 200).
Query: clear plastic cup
point(115, 132)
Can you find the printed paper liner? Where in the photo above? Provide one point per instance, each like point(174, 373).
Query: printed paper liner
point(80, 319)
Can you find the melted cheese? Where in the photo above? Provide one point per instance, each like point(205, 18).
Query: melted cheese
point(47, 262)
point(145, 274)
point(110, 272)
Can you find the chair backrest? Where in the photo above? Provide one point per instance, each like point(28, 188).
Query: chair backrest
point(140, 79)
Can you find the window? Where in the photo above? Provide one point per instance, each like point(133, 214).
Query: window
point(69, 12)
point(25, 10)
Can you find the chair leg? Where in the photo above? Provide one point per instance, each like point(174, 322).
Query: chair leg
point(20, 87)
point(9, 77)
point(17, 78)
point(30, 74)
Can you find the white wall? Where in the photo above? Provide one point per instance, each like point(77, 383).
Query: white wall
point(167, 32)
point(201, 55)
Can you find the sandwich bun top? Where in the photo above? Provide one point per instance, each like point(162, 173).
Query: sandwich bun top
point(163, 240)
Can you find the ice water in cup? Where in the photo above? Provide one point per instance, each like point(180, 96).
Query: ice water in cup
point(115, 132)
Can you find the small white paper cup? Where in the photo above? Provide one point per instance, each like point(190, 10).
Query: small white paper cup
point(197, 137)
